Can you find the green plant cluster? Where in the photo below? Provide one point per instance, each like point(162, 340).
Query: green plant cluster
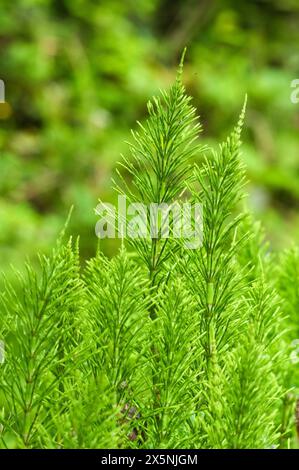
point(160, 346)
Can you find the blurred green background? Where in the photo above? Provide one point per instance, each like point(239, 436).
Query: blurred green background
point(78, 73)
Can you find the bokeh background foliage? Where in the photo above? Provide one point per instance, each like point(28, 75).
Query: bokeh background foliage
point(78, 74)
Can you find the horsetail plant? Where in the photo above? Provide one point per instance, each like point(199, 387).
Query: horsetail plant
point(165, 344)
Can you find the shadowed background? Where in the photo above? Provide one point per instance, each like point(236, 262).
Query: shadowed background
point(78, 73)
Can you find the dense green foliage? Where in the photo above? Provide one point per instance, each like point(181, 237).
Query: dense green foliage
point(161, 345)
point(78, 73)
